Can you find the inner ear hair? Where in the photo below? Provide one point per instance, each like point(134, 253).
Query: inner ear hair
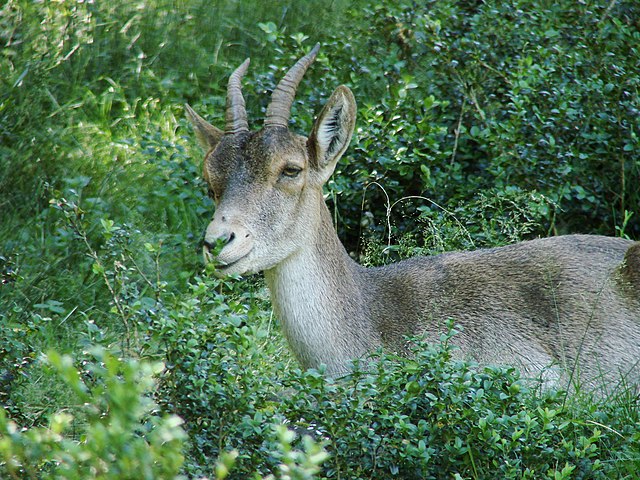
point(330, 135)
point(332, 130)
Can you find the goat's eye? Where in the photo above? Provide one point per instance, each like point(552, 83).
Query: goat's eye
point(291, 172)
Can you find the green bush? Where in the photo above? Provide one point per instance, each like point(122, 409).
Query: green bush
point(482, 97)
point(217, 379)
point(430, 416)
point(434, 417)
point(114, 431)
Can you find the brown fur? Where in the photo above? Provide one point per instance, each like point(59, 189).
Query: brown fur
point(631, 267)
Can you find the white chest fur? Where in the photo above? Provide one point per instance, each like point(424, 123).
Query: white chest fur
point(313, 304)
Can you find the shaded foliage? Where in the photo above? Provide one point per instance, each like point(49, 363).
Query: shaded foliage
point(540, 97)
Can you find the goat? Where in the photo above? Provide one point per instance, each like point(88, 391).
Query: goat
point(571, 301)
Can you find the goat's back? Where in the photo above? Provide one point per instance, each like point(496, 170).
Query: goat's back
point(572, 301)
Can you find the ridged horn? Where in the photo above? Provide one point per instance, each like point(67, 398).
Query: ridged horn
point(279, 109)
point(236, 114)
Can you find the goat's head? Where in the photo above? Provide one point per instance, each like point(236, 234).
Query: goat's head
point(266, 184)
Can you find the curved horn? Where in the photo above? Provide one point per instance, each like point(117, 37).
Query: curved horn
point(236, 115)
point(279, 110)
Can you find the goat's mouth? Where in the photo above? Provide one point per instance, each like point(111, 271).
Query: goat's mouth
point(223, 268)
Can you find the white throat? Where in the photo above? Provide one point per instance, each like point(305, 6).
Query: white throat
point(316, 295)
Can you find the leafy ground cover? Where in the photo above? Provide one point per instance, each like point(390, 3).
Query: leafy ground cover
point(479, 123)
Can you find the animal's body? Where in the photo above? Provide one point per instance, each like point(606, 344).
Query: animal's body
point(571, 302)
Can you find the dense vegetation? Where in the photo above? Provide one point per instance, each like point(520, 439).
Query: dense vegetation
point(480, 123)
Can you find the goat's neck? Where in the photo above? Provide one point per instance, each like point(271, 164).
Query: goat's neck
point(316, 294)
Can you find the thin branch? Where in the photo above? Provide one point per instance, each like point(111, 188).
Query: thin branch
point(457, 131)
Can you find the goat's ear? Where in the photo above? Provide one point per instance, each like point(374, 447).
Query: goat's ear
point(332, 133)
point(208, 135)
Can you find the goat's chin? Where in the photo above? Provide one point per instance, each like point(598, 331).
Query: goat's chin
point(242, 267)
point(248, 265)
point(223, 271)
